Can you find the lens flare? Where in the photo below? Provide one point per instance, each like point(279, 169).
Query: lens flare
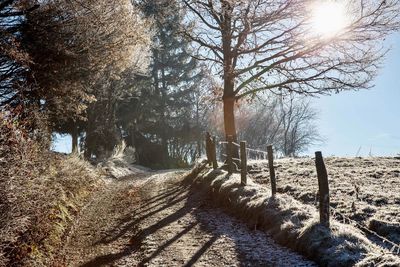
point(328, 18)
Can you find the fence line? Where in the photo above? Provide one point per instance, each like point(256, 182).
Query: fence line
point(225, 155)
point(265, 153)
point(325, 208)
point(365, 228)
point(244, 154)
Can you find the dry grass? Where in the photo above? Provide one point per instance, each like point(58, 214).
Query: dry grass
point(293, 223)
point(364, 189)
point(40, 193)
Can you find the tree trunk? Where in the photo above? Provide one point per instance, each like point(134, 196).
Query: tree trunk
point(229, 77)
point(75, 135)
point(198, 150)
point(229, 118)
point(229, 123)
point(164, 148)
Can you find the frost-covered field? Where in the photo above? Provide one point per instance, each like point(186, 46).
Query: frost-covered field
point(365, 189)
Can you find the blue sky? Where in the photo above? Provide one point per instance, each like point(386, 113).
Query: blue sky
point(62, 143)
point(369, 119)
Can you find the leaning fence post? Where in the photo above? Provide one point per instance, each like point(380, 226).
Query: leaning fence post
point(208, 147)
point(214, 153)
point(271, 169)
point(323, 186)
point(229, 154)
point(243, 163)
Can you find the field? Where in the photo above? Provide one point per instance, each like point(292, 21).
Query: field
point(366, 190)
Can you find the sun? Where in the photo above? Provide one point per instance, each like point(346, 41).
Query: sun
point(328, 18)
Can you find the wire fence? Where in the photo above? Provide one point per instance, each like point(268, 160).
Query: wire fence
point(347, 220)
point(260, 154)
point(325, 208)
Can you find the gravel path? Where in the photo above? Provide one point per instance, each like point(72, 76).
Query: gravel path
point(153, 219)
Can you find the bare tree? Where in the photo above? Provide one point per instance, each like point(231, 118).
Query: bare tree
point(270, 45)
point(298, 130)
point(260, 122)
point(286, 122)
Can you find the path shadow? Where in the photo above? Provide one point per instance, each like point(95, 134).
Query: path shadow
point(150, 206)
point(196, 202)
point(129, 222)
point(201, 251)
point(168, 243)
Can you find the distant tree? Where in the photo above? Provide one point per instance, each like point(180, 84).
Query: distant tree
point(268, 45)
point(260, 122)
point(203, 106)
point(299, 131)
point(75, 128)
point(287, 122)
point(102, 128)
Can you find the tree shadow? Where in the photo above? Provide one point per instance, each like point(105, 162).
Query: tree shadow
point(173, 195)
point(195, 201)
point(110, 258)
point(129, 224)
point(168, 243)
point(201, 251)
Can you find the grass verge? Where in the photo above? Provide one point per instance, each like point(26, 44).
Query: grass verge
point(292, 223)
point(39, 208)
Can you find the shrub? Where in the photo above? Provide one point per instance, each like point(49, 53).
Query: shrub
point(40, 192)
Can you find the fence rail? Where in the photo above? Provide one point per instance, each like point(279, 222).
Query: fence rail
point(325, 210)
point(264, 153)
point(211, 156)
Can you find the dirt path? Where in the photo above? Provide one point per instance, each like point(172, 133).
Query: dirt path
point(155, 220)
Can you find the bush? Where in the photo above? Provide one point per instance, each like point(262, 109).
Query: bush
point(40, 192)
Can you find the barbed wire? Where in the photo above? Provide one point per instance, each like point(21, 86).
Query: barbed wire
point(264, 153)
point(395, 247)
point(365, 228)
point(225, 155)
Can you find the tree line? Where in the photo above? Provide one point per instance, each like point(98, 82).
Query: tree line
point(158, 74)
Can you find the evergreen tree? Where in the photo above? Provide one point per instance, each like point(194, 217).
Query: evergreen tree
point(167, 102)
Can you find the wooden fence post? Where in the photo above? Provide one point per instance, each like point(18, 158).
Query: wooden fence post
point(243, 163)
point(208, 148)
point(214, 153)
point(229, 151)
point(323, 186)
point(271, 169)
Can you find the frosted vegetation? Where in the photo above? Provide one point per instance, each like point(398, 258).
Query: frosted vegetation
point(363, 189)
point(293, 223)
point(156, 75)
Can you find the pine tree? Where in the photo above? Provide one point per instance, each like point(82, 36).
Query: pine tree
point(168, 100)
